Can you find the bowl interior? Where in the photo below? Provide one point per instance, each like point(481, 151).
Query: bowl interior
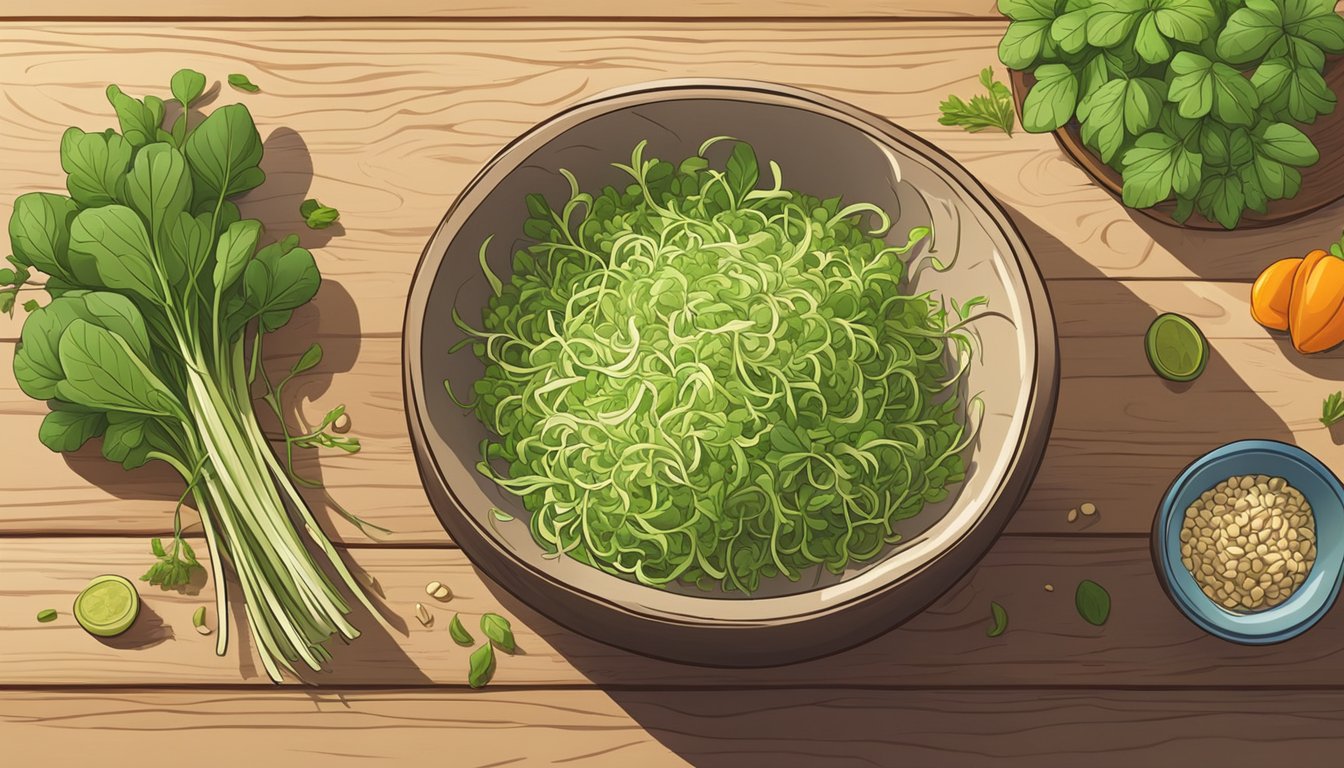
point(1317, 593)
point(821, 152)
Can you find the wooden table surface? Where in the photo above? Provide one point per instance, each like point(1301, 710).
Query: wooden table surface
point(386, 110)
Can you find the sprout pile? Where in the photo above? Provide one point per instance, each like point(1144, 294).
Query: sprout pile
point(695, 380)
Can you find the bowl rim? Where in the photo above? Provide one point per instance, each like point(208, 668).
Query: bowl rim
point(1280, 623)
point(517, 574)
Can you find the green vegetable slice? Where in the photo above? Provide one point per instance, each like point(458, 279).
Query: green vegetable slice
point(107, 606)
point(999, 617)
point(1093, 602)
point(1177, 350)
point(47, 614)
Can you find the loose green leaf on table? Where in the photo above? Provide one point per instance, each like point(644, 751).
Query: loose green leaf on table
point(1093, 602)
point(458, 632)
point(998, 620)
point(1332, 410)
point(243, 84)
point(481, 666)
point(499, 631)
point(993, 109)
point(317, 215)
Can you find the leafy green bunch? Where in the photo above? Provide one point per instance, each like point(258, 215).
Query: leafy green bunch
point(1200, 100)
point(696, 378)
point(159, 289)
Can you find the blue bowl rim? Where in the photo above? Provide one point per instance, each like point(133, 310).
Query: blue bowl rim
point(1164, 530)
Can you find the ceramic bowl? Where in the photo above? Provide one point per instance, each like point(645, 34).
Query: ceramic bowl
point(825, 148)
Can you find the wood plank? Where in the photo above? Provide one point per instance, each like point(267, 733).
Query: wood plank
point(330, 728)
point(1146, 642)
point(715, 729)
point(317, 10)
point(1120, 436)
point(392, 132)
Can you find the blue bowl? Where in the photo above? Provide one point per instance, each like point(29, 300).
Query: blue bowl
point(1310, 602)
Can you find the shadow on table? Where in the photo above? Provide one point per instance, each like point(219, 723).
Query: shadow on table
point(814, 712)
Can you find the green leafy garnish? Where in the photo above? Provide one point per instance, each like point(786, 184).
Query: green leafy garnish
point(998, 620)
point(812, 402)
point(481, 666)
point(243, 84)
point(993, 109)
point(499, 631)
point(1193, 101)
point(317, 215)
point(458, 632)
point(159, 290)
point(1332, 409)
point(46, 614)
point(1093, 602)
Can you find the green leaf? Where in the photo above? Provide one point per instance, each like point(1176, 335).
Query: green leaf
point(1102, 118)
point(998, 620)
point(96, 164)
point(1156, 166)
point(1023, 42)
point(1143, 104)
point(458, 632)
point(281, 278)
point(1332, 410)
point(307, 361)
point(46, 614)
point(1052, 100)
point(1293, 91)
point(1222, 199)
point(1277, 180)
point(125, 434)
point(186, 247)
point(742, 171)
point(1201, 87)
point(187, 86)
point(243, 84)
point(1286, 144)
point(1303, 30)
point(236, 247)
point(30, 305)
point(102, 372)
point(224, 153)
point(1069, 30)
point(39, 231)
point(109, 246)
point(67, 431)
point(159, 186)
point(1093, 602)
point(1188, 21)
point(481, 666)
point(139, 120)
point(319, 217)
point(497, 628)
point(1112, 22)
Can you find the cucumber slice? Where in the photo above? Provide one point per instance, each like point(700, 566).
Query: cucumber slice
point(1177, 350)
point(107, 606)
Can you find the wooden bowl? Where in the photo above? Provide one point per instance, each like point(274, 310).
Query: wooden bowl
point(826, 148)
point(1322, 183)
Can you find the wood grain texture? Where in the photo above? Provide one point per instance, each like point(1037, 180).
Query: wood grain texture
point(392, 132)
point(328, 728)
point(1145, 643)
point(713, 729)
point(316, 10)
point(1120, 436)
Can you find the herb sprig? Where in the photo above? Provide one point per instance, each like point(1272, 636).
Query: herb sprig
point(992, 109)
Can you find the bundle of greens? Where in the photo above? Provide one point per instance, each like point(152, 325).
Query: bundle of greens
point(695, 380)
point(157, 285)
point(1199, 100)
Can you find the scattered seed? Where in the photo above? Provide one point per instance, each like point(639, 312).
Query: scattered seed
point(438, 591)
point(342, 424)
point(198, 618)
point(1049, 587)
point(1088, 508)
point(422, 613)
point(1072, 517)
